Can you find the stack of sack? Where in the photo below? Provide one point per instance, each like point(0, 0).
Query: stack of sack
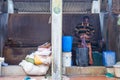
point(38, 62)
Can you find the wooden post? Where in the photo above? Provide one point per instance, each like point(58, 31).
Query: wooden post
point(56, 39)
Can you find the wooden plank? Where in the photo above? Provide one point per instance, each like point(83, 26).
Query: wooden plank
point(56, 39)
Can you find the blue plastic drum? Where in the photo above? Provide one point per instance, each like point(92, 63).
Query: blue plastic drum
point(109, 58)
point(67, 43)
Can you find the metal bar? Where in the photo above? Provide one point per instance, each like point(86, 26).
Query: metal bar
point(56, 39)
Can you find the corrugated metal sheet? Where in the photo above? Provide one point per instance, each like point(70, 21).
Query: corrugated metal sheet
point(83, 6)
point(32, 6)
point(77, 7)
point(28, 29)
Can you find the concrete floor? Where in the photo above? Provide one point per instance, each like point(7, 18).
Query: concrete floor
point(14, 72)
point(69, 78)
point(20, 77)
point(91, 78)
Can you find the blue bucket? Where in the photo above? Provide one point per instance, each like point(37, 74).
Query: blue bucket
point(109, 58)
point(67, 43)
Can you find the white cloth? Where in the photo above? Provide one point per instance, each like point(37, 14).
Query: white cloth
point(32, 69)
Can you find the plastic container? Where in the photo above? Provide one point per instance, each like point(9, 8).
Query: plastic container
point(67, 43)
point(109, 58)
point(67, 61)
point(82, 56)
point(97, 58)
point(117, 70)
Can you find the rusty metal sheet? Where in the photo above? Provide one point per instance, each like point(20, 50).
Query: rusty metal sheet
point(29, 29)
point(33, 29)
point(14, 55)
point(26, 30)
point(45, 0)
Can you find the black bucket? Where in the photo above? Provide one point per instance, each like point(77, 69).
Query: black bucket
point(82, 57)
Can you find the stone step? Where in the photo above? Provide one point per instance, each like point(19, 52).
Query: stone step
point(13, 70)
point(91, 70)
point(22, 77)
point(79, 77)
point(17, 70)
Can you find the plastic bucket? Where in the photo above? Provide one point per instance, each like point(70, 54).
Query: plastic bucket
point(109, 58)
point(67, 43)
point(82, 56)
point(117, 70)
point(97, 58)
point(67, 61)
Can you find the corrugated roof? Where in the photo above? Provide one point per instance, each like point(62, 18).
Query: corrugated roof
point(44, 5)
point(46, 0)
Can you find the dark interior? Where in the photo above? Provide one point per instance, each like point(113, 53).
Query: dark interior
point(27, 31)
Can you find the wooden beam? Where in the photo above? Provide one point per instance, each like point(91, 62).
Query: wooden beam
point(56, 39)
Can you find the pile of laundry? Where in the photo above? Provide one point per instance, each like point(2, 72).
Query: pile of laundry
point(38, 62)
